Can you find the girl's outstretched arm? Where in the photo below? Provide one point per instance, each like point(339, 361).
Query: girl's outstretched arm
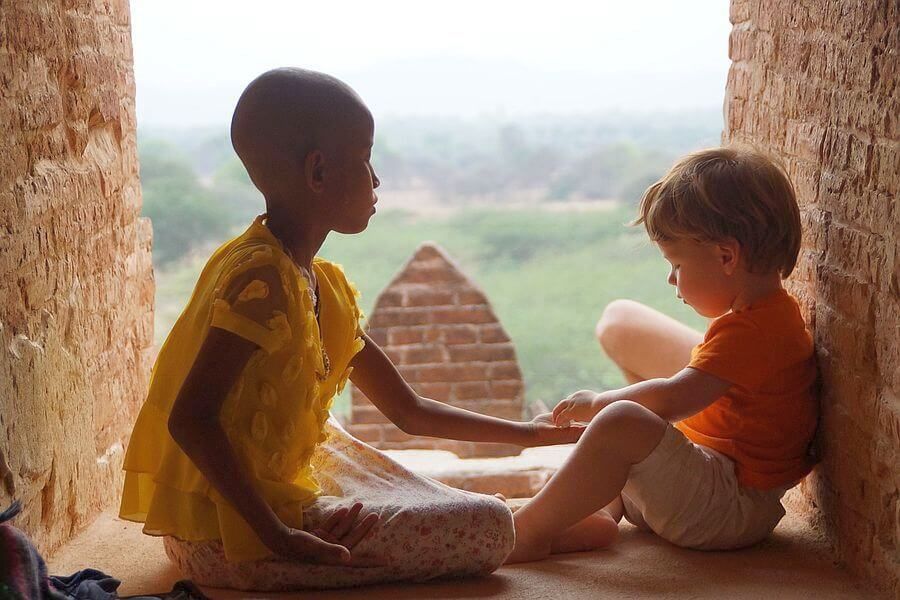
point(377, 377)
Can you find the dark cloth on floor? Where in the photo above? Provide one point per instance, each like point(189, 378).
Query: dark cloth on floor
point(23, 574)
point(91, 584)
point(182, 590)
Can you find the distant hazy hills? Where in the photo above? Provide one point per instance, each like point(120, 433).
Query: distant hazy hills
point(456, 86)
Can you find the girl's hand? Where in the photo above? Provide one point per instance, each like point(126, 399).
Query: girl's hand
point(546, 433)
point(331, 543)
point(580, 406)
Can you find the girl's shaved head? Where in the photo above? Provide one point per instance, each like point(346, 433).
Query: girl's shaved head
point(285, 113)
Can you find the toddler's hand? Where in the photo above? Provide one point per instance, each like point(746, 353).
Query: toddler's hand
point(546, 433)
point(580, 406)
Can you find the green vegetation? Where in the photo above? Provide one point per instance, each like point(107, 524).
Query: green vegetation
point(184, 213)
point(560, 157)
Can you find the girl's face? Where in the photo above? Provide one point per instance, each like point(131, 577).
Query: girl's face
point(353, 180)
point(702, 274)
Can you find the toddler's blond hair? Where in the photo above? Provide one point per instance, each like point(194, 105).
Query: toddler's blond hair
point(731, 192)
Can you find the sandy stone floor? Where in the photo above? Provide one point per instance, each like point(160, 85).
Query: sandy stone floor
point(795, 562)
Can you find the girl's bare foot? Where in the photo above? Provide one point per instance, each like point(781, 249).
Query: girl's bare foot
point(597, 531)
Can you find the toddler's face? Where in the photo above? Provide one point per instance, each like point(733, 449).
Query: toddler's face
point(698, 272)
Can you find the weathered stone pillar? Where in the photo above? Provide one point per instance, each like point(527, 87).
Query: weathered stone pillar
point(76, 285)
point(816, 83)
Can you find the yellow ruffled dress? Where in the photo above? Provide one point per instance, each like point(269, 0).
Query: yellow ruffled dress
point(273, 416)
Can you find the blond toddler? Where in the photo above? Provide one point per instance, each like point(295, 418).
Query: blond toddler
point(714, 428)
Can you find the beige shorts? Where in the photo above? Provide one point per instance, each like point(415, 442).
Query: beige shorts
point(689, 495)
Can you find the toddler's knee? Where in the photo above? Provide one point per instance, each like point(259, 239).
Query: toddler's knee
point(626, 425)
point(621, 413)
point(612, 328)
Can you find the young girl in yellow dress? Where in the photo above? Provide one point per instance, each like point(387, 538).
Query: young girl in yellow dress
point(233, 458)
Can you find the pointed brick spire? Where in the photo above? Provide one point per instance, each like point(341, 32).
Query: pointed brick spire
point(438, 327)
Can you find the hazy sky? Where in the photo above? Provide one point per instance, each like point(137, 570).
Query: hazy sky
point(193, 58)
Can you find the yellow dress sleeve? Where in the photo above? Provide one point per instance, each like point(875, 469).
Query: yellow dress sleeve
point(251, 304)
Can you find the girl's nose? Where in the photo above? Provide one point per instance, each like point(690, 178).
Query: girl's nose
point(375, 180)
point(671, 279)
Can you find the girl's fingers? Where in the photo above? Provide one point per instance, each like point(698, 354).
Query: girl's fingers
point(346, 523)
point(314, 548)
point(333, 520)
point(324, 535)
point(362, 529)
point(331, 554)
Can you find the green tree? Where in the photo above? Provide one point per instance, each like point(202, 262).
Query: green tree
point(184, 213)
point(239, 198)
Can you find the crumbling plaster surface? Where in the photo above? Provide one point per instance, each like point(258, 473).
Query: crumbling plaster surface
point(76, 285)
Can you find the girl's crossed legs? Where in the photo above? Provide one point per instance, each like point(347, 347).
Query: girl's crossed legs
point(427, 529)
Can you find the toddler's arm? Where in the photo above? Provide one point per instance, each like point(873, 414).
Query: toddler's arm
point(684, 394)
point(379, 380)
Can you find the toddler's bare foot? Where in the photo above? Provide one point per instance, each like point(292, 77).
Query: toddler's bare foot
point(592, 533)
point(528, 551)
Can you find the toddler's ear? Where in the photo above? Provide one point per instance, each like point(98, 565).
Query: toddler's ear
point(729, 254)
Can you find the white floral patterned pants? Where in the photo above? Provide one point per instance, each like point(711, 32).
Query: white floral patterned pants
point(426, 530)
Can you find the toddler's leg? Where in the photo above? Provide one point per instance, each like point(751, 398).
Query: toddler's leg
point(644, 343)
point(595, 531)
point(623, 434)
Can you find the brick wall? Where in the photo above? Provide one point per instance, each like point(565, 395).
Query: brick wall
point(76, 286)
point(438, 327)
point(816, 84)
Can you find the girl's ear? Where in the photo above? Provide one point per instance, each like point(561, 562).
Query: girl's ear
point(729, 253)
point(314, 170)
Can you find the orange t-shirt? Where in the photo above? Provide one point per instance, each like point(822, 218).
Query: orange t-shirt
point(766, 420)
